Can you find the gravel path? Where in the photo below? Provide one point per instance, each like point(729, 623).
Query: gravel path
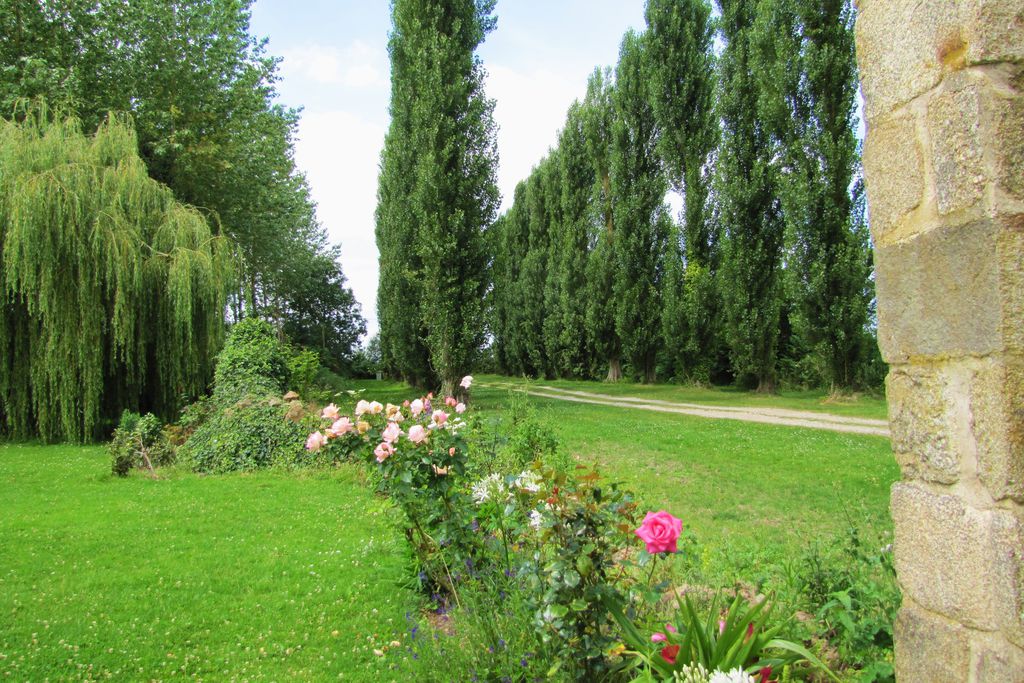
point(775, 416)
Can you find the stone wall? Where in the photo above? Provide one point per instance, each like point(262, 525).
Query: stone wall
point(943, 82)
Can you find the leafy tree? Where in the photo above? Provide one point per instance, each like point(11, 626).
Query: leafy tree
point(450, 133)
point(114, 292)
point(748, 190)
point(200, 90)
point(811, 67)
point(638, 190)
point(679, 42)
point(598, 124)
point(573, 247)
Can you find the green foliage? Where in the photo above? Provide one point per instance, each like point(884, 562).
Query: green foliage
point(303, 368)
point(249, 435)
point(201, 91)
point(114, 292)
point(139, 441)
point(438, 191)
point(744, 638)
point(582, 524)
point(252, 362)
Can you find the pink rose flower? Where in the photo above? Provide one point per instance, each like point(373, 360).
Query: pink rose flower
point(660, 531)
point(460, 408)
point(451, 452)
point(383, 451)
point(362, 407)
point(466, 381)
point(342, 426)
point(417, 434)
point(376, 408)
point(658, 637)
point(450, 401)
point(416, 407)
point(439, 417)
point(315, 441)
point(330, 412)
point(391, 433)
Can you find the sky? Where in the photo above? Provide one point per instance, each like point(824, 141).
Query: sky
point(335, 67)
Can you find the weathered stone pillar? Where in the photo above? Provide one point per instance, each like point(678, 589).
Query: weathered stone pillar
point(943, 82)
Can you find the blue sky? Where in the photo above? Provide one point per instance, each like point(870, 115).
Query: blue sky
point(336, 67)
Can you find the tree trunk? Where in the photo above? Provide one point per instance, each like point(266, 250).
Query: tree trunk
point(614, 370)
point(765, 385)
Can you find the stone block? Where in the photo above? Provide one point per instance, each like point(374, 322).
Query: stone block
point(998, 662)
point(957, 561)
point(993, 30)
point(929, 648)
point(1005, 123)
point(997, 416)
point(922, 423)
point(893, 172)
point(900, 49)
point(951, 292)
point(956, 132)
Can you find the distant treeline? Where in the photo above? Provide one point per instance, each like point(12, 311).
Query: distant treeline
point(748, 113)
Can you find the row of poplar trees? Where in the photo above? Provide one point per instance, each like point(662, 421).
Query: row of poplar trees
point(126, 240)
point(749, 113)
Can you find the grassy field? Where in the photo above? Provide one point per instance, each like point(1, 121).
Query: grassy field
point(743, 489)
point(296, 576)
point(273, 576)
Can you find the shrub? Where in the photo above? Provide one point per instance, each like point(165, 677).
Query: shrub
point(139, 441)
point(252, 362)
point(248, 435)
point(303, 368)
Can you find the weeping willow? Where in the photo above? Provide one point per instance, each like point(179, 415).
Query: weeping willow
point(113, 292)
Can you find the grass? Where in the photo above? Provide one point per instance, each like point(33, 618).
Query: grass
point(816, 400)
point(297, 576)
point(273, 576)
point(743, 489)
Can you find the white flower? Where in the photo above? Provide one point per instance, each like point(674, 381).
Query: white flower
point(466, 381)
point(489, 488)
point(691, 673)
point(737, 675)
point(536, 519)
point(529, 481)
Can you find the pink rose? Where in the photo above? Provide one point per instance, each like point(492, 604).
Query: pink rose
point(342, 426)
point(439, 417)
point(451, 452)
point(330, 412)
point(315, 441)
point(362, 407)
point(460, 408)
point(659, 531)
point(417, 434)
point(416, 407)
point(450, 401)
point(383, 451)
point(658, 637)
point(391, 433)
point(466, 381)
point(376, 408)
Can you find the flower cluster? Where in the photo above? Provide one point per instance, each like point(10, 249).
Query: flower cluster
point(419, 454)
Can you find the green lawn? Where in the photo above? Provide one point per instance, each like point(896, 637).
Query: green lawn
point(297, 576)
point(812, 400)
point(273, 576)
point(744, 489)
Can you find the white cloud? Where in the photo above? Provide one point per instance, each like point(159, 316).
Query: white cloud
point(358, 65)
point(531, 108)
point(340, 153)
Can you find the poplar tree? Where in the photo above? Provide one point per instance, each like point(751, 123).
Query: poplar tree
point(811, 73)
point(534, 271)
point(113, 292)
point(453, 198)
point(577, 173)
point(679, 41)
point(598, 125)
point(638, 191)
point(751, 211)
